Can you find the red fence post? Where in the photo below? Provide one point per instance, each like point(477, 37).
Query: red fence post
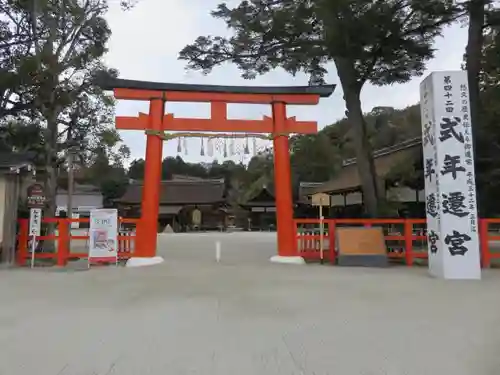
point(331, 235)
point(122, 248)
point(484, 243)
point(22, 238)
point(408, 234)
point(296, 237)
point(63, 242)
point(121, 241)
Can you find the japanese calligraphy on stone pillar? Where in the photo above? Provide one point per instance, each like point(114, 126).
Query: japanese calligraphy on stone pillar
point(432, 196)
point(449, 176)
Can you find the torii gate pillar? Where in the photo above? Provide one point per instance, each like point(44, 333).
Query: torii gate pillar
point(157, 122)
point(287, 248)
point(147, 229)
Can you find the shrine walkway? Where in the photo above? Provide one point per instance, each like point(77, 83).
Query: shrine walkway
point(245, 316)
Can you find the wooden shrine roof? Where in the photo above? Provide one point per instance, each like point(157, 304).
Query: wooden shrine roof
point(180, 192)
point(306, 189)
point(82, 189)
point(110, 83)
point(11, 161)
point(385, 159)
point(263, 198)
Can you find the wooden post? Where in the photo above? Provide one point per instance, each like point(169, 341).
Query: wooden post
point(321, 228)
point(148, 226)
point(331, 239)
point(408, 235)
point(12, 182)
point(63, 242)
point(283, 184)
point(22, 250)
point(484, 243)
point(320, 200)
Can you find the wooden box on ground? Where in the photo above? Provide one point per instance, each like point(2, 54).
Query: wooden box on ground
point(361, 247)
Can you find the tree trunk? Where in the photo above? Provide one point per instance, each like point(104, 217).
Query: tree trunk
point(364, 154)
point(50, 176)
point(473, 56)
point(50, 168)
point(473, 59)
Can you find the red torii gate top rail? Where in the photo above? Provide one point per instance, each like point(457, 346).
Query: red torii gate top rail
point(157, 122)
point(218, 97)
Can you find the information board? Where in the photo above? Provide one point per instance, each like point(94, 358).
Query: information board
point(103, 236)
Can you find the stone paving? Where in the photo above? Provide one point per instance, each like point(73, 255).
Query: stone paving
point(245, 315)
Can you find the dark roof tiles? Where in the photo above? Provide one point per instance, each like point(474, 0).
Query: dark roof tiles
point(13, 159)
point(177, 192)
point(109, 83)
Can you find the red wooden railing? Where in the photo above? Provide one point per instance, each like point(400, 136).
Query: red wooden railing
point(485, 238)
point(308, 243)
point(126, 240)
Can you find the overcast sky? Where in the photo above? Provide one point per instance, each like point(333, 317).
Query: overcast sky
point(147, 39)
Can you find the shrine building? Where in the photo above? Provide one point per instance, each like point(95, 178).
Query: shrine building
point(391, 164)
point(179, 197)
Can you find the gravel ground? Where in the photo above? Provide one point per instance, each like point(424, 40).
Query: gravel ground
point(245, 315)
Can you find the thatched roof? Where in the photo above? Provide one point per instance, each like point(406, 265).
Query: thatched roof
point(385, 159)
point(181, 192)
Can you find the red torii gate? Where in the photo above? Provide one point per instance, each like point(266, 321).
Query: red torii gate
point(157, 122)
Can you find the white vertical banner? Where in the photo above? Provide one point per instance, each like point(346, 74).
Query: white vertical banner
point(35, 221)
point(450, 192)
point(103, 236)
point(34, 230)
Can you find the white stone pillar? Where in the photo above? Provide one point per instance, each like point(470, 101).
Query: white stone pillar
point(450, 188)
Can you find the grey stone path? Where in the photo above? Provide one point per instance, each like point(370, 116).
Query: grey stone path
point(243, 316)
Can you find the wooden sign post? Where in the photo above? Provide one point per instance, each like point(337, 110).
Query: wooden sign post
point(320, 200)
point(35, 202)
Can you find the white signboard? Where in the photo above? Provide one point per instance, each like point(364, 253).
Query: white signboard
point(75, 224)
point(450, 191)
point(103, 236)
point(320, 199)
point(35, 221)
point(34, 230)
